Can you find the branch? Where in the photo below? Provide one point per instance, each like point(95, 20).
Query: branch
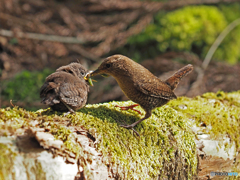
point(43, 37)
point(209, 55)
point(218, 41)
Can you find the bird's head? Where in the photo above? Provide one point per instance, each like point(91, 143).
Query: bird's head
point(76, 69)
point(112, 65)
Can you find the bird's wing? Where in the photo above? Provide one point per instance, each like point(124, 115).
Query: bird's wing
point(48, 91)
point(155, 88)
point(46, 87)
point(53, 81)
point(48, 95)
point(73, 93)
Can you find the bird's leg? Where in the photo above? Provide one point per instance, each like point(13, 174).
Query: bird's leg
point(129, 107)
point(71, 111)
point(135, 132)
point(147, 115)
point(67, 113)
point(132, 129)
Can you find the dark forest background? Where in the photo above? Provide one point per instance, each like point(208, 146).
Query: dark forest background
point(36, 37)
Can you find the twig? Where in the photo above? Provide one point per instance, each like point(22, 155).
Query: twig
point(43, 37)
point(84, 53)
point(24, 22)
point(210, 53)
point(12, 103)
point(196, 84)
point(13, 18)
point(218, 41)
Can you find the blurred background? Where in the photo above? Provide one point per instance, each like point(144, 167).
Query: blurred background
point(37, 37)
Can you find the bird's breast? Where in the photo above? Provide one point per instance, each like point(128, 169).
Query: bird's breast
point(127, 86)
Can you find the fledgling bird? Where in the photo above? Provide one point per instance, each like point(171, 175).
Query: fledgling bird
point(66, 89)
point(140, 85)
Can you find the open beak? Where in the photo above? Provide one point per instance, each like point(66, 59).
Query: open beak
point(88, 78)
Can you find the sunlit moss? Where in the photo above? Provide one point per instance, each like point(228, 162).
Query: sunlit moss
point(6, 161)
point(219, 111)
point(166, 137)
point(38, 169)
point(192, 29)
point(143, 157)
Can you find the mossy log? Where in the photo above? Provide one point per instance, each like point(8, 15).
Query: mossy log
point(186, 139)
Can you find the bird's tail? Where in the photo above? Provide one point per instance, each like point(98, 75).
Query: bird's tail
point(177, 76)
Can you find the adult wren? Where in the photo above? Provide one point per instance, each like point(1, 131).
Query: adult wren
point(140, 85)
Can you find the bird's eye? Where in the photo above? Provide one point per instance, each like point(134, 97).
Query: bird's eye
point(83, 73)
point(69, 71)
point(108, 65)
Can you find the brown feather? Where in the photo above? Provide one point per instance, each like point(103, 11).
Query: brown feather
point(139, 84)
point(65, 87)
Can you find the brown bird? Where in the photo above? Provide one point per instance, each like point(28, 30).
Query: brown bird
point(66, 89)
point(140, 85)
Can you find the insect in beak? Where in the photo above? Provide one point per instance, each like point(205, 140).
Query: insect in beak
point(88, 78)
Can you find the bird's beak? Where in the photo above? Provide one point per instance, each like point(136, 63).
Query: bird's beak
point(88, 78)
point(96, 72)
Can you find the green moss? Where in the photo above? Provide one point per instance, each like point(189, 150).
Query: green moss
point(12, 119)
point(6, 161)
point(166, 137)
point(40, 174)
point(191, 29)
point(219, 111)
point(64, 134)
point(35, 169)
point(24, 87)
point(143, 157)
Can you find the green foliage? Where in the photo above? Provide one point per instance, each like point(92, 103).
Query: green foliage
point(192, 28)
point(188, 27)
point(13, 41)
point(25, 86)
point(229, 49)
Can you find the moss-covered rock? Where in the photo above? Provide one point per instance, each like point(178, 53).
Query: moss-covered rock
point(166, 147)
point(6, 160)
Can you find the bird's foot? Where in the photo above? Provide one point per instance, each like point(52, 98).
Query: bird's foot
point(69, 112)
point(127, 126)
point(130, 127)
point(129, 107)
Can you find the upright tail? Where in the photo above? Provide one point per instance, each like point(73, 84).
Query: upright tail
point(177, 76)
